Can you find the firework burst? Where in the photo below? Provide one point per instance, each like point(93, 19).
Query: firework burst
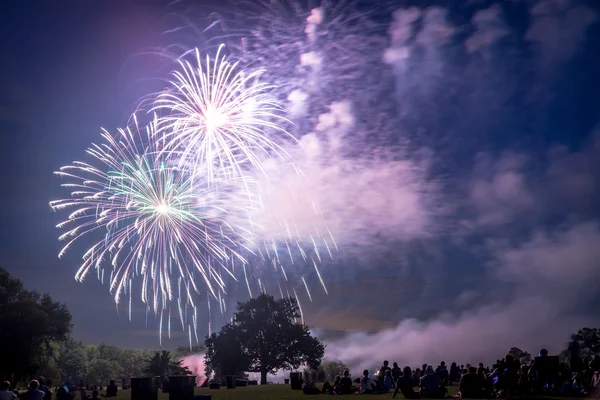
point(217, 117)
point(153, 219)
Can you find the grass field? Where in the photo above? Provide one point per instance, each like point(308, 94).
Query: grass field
point(275, 392)
point(264, 392)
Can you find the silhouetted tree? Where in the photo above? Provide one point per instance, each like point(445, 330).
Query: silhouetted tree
point(161, 364)
point(265, 331)
point(588, 342)
point(224, 353)
point(30, 323)
point(183, 351)
point(331, 368)
point(518, 354)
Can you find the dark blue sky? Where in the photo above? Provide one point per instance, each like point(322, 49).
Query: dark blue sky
point(68, 68)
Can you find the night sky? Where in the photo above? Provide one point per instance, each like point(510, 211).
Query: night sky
point(487, 216)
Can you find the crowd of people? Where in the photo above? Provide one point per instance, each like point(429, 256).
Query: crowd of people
point(37, 390)
point(508, 377)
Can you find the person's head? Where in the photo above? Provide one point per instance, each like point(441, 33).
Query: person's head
point(430, 369)
point(443, 363)
point(366, 372)
point(112, 382)
point(337, 378)
point(472, 370)
point(34, 384)
point(543, 353)
point(406, 371)
point(395, 365)
point(346, 373)
point(386, 363)
point(4, 385)
point(42, 380)
point(424, 366)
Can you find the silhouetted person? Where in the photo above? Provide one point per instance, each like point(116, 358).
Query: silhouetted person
point(396, 372)
point(405, 384)
point(471, 385)
point(430, 384)
point(33, 393)
point(44, 388)
point(442, 372)
point(111, 389)
point(337, 385)
point(454, 373)
point(62, 393)
point(385, 367)
point(346, 383)
point(367, 384)
point(388, 382)
point(327, 388)
point(5, 392)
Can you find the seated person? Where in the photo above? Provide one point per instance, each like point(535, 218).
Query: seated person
point(405, 385)
point(471, 385)
point(310, 388)
point(346, 383)
point(111, 389)
point(367, 384)
point(388, 382)
point(337, 386)
point(431, 384)
point(327, 388)
point(5, 393)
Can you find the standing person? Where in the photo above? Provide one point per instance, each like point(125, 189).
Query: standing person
point(5, 392)
point(34, 393)
point(396, 372)
point(62, 393)
point(111, 389)
point(44, 388)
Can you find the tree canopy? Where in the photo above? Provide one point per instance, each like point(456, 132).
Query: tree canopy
point(263, 337)
point(31, 323)
point(161, 364)
point(522, 356)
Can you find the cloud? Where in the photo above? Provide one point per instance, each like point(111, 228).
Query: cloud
point(499, 191)
point(436, 29)
point(535, 285)
point(428, 28)
point(551, 273)
point(515, 189)
point(361, 200)
point(489, 28)
point(558, 28)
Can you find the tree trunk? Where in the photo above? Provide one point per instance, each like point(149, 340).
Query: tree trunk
point(263, 376)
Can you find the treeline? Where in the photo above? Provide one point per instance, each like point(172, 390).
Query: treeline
point(98, 364)
point(35, 340)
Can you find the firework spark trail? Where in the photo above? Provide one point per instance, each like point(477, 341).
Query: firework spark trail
point(153, 219)
point(218, 117)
